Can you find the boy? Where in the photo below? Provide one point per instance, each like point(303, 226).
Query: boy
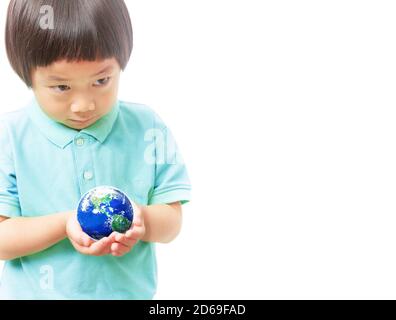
point(73, 136)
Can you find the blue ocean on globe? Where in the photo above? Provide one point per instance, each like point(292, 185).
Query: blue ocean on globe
point(104, 209)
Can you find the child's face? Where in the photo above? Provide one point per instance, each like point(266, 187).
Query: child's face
point(77, 94)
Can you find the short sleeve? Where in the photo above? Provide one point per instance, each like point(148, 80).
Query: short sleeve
point(9, 200)
point(172, 182)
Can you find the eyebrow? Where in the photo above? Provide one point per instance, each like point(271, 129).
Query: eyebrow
point(56, 78)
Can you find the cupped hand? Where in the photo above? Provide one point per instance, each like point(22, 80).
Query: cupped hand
point(122, 243)
point(117, 244)
point(82, 242)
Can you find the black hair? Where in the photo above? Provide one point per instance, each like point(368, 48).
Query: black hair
point(82, 30)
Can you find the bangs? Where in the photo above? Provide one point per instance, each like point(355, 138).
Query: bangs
point(82, 30)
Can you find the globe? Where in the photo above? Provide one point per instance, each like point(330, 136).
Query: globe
point(104, 209)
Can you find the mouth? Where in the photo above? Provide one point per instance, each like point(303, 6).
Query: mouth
point(80, 122)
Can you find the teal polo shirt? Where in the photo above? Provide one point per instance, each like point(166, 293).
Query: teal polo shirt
point(45, 168)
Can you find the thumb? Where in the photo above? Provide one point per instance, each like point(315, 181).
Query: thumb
point(137, 220)
point(76, 234)
point(85, 240)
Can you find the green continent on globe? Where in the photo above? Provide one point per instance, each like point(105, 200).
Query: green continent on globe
point(120, 223)
point(97, 201)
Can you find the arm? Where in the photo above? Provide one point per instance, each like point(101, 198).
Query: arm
point(162, 222)
point(24, 236)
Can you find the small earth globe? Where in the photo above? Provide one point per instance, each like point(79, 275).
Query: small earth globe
point(104, 209)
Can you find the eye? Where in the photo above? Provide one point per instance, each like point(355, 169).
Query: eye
point(62, 88)
point(102, 82)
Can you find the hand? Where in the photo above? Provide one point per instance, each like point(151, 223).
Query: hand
point(121, 244)
point(82, 242)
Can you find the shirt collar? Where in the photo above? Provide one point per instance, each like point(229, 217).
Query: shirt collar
point(62, 135)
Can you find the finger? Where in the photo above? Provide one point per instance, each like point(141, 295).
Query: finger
point(119, 248)
point(81, 249)
point(81, 238)
point(137, 219)
point(136, 233)
point(76, 233)
point(99, 247)
point(85, 240)
point(122, 238)
point(112, 236)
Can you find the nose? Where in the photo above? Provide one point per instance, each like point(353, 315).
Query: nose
point(82, 106)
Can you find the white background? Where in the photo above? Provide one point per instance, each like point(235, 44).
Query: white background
point(284, 112)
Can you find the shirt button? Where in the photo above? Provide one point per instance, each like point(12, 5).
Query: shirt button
point(80, 141)
point(88, 175)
